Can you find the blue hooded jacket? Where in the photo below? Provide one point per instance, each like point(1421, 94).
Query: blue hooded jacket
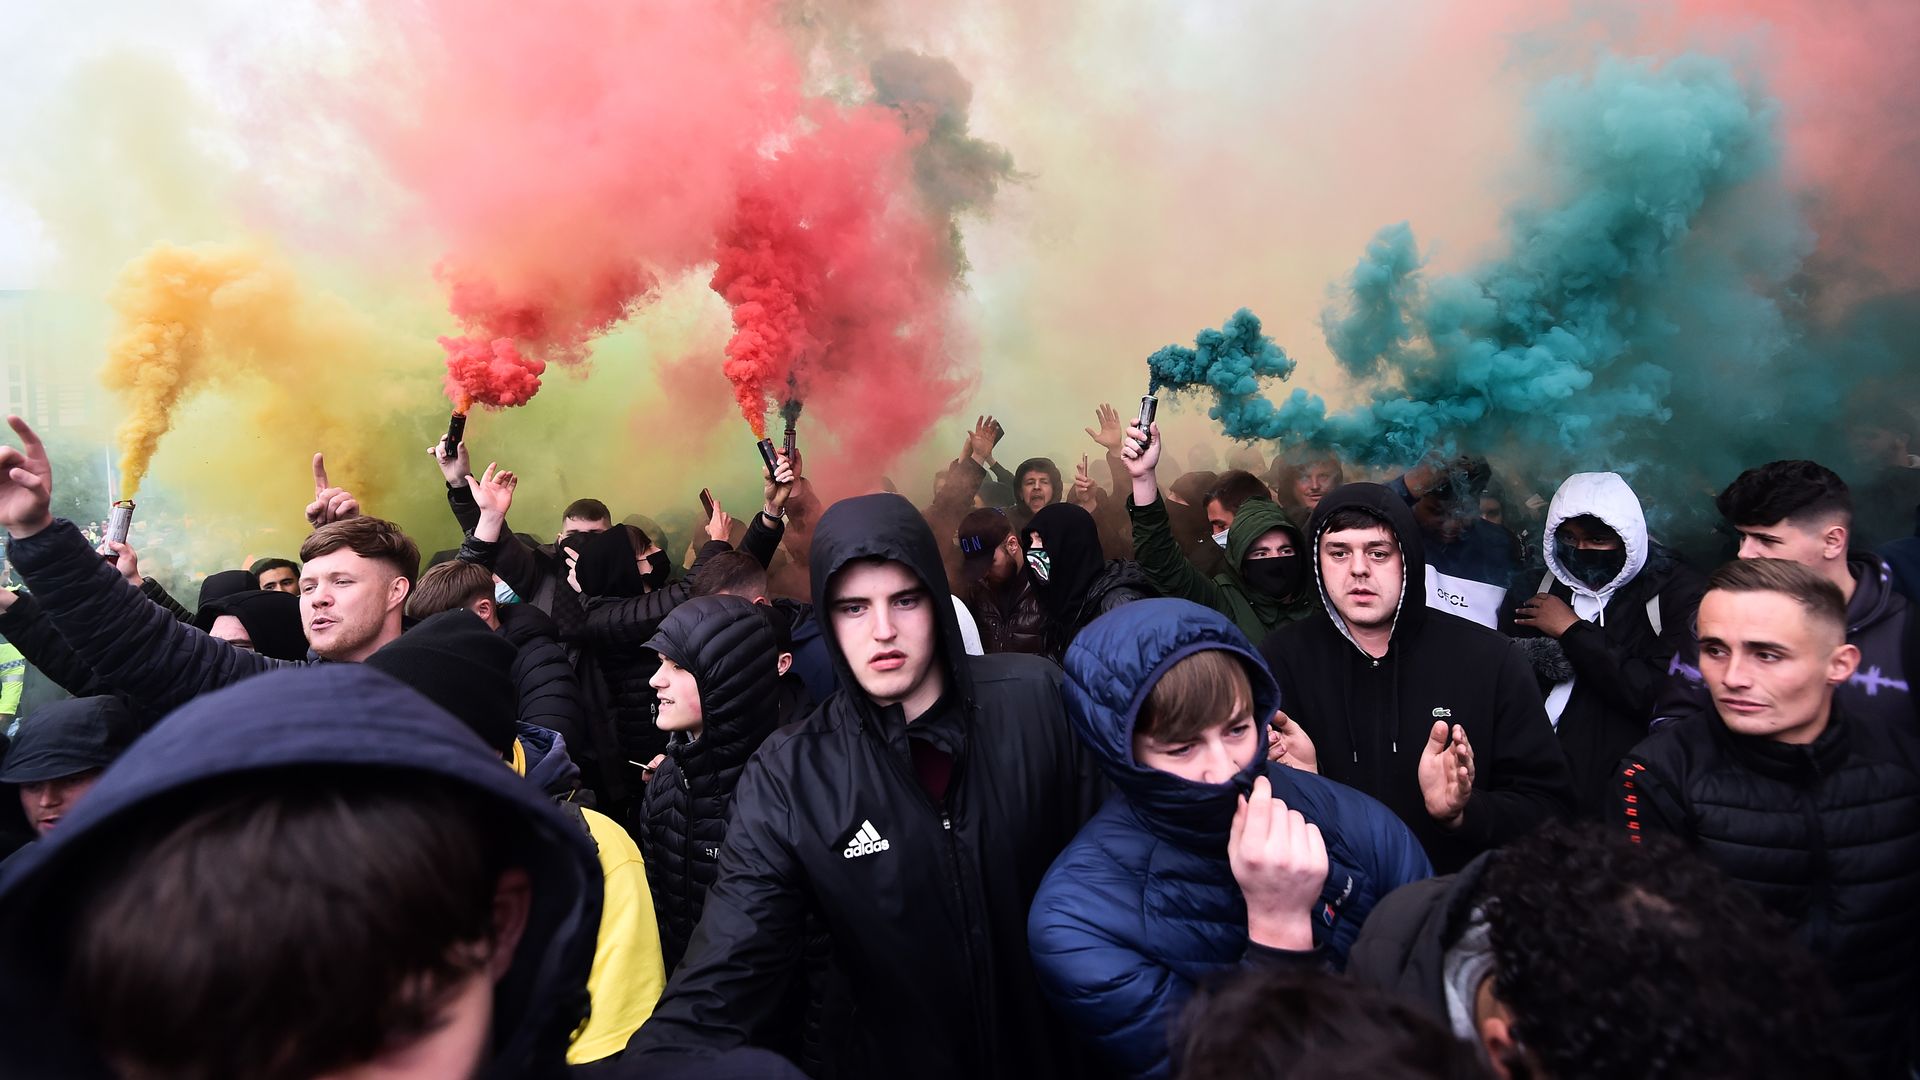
point(1142, 905)
point(342, 717)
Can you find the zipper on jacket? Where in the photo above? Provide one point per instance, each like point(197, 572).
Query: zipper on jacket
point(956, 883)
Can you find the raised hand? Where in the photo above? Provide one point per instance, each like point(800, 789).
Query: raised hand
point(330, 504)
point(986, 435)
point(1111, 433)
point(26, 483)
point(455, 469)
point(779, 486)
point(1289, 745)
point(1446, 774)
point(1280, 861)
point(493, 494)
point(1141, 454)
point(720, 525)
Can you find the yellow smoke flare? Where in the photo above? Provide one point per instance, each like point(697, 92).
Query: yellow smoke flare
point(295, 371)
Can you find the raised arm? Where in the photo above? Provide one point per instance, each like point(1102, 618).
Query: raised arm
point(134, 646)
point(1154, 547)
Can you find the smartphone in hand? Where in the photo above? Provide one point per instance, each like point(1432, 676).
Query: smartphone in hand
point(706, 501)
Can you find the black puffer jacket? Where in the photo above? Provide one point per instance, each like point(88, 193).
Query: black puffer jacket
point(1827, 834)
point(549, 691)
point(135, 648)
point(730, 650)
point(1369, 718)
point(616, 667)
point(925, 902)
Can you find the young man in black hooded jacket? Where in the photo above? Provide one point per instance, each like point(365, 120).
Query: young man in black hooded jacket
point(915, 812)
point(1432, 714)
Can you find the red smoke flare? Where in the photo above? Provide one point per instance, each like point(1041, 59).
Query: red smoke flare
point(838, 279)
point(766, 274)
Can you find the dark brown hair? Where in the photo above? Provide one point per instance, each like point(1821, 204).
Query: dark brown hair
point(448, 586)
point(1819, 596)
point(1205, 689)
point(1284, 1023)
point(296, 923)
point(370, 538)
point(588, 510)
point(734, 573)
point(1234, 488)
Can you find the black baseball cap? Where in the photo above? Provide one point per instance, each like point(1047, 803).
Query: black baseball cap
point(981, 531)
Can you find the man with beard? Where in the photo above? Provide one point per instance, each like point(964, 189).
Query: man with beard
point(999, 591)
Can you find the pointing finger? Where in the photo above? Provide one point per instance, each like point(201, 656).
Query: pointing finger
point(28, 439)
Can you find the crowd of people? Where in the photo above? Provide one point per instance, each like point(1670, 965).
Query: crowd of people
point(1267, 772)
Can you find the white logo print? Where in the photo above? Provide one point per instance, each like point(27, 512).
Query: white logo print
point(1442, 712)
point(865, 842)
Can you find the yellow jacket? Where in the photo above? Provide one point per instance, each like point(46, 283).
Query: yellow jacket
point(627, 975)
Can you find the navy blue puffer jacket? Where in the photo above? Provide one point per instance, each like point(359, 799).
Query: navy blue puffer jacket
point(1142, 904)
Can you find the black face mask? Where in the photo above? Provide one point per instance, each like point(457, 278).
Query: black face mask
point(1278, 577)
point(659, 568)
point(1594, 569)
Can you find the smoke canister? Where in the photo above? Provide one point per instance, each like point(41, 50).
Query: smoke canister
point(120, 522)
point(1149, 405)
point(456, 430)
point(768, 455)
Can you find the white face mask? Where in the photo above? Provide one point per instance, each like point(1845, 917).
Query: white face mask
point(1221, 538)
point(503, 593)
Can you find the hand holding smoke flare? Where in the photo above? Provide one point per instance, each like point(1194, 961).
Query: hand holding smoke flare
point(456, 432)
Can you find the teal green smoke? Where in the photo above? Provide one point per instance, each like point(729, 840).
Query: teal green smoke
point(1565, 344)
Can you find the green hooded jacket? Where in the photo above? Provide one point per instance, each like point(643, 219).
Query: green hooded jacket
point(1255, 613)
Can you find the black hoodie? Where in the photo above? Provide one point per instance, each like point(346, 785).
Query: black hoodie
point(1369, 718)
point(926, 903)
point(345, 718)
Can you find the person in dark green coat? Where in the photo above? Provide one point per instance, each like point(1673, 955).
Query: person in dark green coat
point(1265, 584)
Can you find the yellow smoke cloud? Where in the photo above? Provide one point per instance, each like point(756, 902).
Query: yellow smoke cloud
point(295, 368)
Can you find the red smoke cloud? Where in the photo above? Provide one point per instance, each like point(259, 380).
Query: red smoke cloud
point(572, 163)
point(489, 371)
point(838, 276)
point(570, 160)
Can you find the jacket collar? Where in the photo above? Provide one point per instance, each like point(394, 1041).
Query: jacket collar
point(1111, 667)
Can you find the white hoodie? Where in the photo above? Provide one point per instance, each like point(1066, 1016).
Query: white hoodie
point(1606, 496)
